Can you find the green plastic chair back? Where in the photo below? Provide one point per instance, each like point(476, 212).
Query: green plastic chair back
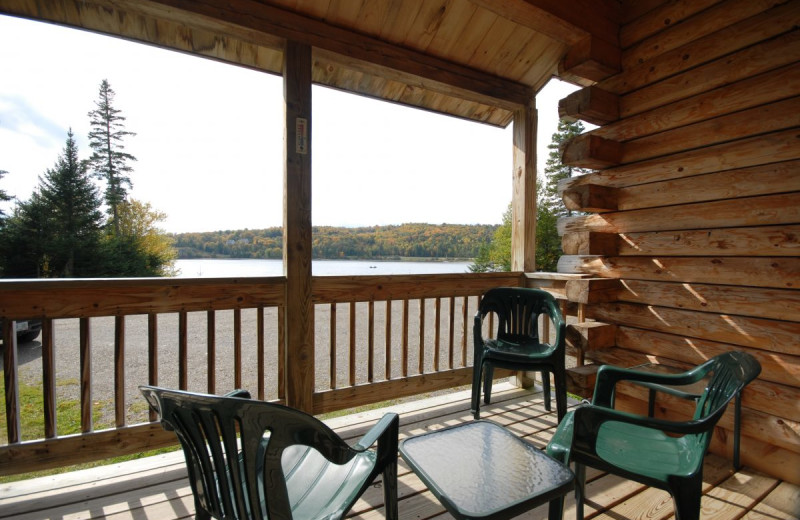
point(664, 454)
point(253, 459)
point(517, 344)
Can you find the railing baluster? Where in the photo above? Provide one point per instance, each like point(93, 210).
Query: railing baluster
point(87, 424)
point(237, 348)
point(451, 329)
point(183, 348)
point(352, 343)
point(405, 338)
point(371, 342)
point(437, 310)
point(152, 355)
point(388, 354)
point(465, 330)
point(281, 352)
point(421, 336)
point(211, 346)
point(332, 330)
point(49, 379)
point(11, 380)
point(260, 351)
point(119, 371)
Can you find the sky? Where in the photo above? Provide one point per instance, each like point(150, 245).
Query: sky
point(209, 138)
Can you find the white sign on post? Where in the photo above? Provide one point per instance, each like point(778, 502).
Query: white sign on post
point(301, 133)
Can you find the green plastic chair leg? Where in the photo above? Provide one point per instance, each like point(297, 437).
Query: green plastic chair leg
point(580, 488)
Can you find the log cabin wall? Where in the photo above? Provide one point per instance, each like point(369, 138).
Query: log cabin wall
point(690, 230)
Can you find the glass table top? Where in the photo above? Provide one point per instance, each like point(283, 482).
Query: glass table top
point(480, 469)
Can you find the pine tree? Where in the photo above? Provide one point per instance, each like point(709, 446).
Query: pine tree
point(57, 232)
point(74, 217)
point(555, 171)
point(109, 161)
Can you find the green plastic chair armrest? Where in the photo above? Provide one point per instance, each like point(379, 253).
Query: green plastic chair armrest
point(589, 419)
point(239, 392)
point(608, 376)
point(380, 430)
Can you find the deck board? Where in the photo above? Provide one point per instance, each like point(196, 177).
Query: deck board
point(157, 487)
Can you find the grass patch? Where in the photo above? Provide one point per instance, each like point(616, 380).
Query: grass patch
point(68, 421)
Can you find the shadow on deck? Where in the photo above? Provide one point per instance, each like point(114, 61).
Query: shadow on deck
point(157, 487)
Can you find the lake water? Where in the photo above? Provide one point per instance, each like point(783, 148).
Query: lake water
point(229, 267)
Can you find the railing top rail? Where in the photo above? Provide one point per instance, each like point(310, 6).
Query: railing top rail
point(78, 298)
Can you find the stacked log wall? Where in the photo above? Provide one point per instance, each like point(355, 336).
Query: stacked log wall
point(694, 206)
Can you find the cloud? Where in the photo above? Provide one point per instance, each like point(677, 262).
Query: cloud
point(19, 117)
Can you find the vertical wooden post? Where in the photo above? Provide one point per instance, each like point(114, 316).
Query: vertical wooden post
point(299, 313)
point(523, 202)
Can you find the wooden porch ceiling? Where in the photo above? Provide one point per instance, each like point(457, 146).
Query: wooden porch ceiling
point(475, 59)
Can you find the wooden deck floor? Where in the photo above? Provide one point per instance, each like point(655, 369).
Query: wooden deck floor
point(157, 488)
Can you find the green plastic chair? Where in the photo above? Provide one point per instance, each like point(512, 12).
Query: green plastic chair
point(253, 459)
point(664, 454)
point(517, 345)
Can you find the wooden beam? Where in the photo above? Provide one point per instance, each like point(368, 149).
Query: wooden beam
point(316, 33)
point(299, 316)
point(750, 61)
point(523, 202)
point(591, 197)
point(775, 336)
point(783, 369)
point(765, 210)
point(764, 119)
point(744, 153)
point(589, 243)
point(591, 104)
point(757, 302)
point(79, 298)
point(593, 290)
point(589, 28)
point(750, 92)
point(742, 241)
point(591, 335)
point(592, 59)
point(725, 28)
point(564, 22)
point(772, 272)
point(581, 379)
point(591, 151)
point(764, 179)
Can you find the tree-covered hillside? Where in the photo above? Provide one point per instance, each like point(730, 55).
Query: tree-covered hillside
point(379, 242)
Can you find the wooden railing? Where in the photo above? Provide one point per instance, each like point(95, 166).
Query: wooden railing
point(377, 338)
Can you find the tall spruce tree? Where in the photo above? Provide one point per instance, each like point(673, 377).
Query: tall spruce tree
point(555, 170)
point(109, 161)
point(57, 232)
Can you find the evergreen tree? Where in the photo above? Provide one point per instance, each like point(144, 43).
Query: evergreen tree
point(555, 171)
point(109, 161)
point(57, 232)
point(4, 197)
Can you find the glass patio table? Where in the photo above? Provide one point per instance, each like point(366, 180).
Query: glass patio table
point(481, 470)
